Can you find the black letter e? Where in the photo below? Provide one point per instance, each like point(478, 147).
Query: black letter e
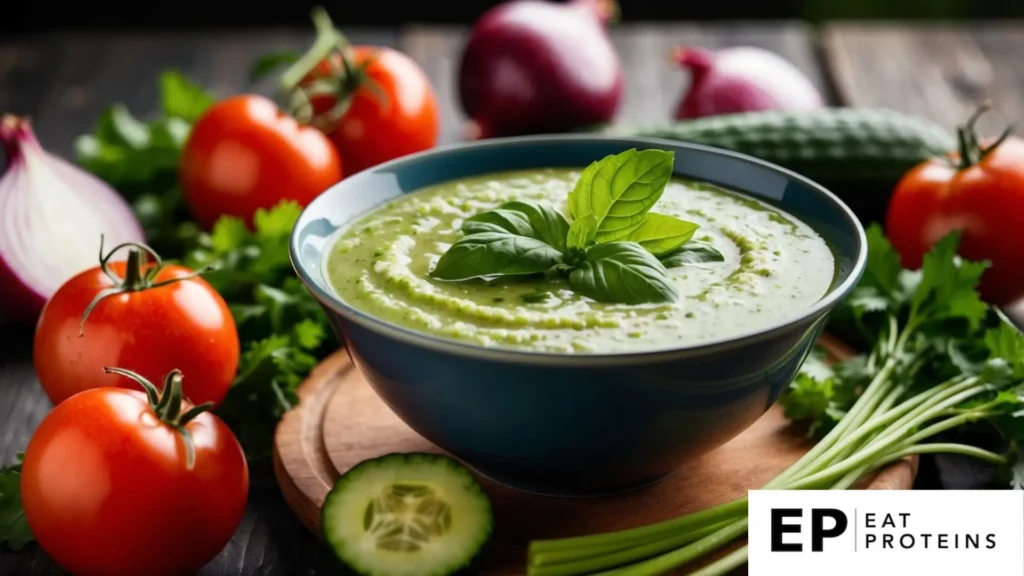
point(779, 528)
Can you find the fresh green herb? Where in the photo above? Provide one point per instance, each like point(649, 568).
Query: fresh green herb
point(938, 359)
point(608, 253)
point(495, 254)
point(581, 232)
point(524, 218)
point(282, 328)
point(619, 190)
point(622, 272)
point(692, 253)
point(140, 160)
point(14, 531)
point(661, 234)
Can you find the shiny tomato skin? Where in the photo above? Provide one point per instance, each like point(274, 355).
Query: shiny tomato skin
point(184, 325)
point(985, 201)
point(107, 492)
point(378, 127)
point(244, 154)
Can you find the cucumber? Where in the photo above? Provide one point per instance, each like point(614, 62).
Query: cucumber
point(407, 515)
point(857, 153)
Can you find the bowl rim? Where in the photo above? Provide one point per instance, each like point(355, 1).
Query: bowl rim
point(511, 355)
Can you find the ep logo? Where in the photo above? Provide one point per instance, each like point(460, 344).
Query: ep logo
point(857, 532)
point(788, 528)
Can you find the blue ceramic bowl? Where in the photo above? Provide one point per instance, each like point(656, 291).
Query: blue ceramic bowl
point(575, 424)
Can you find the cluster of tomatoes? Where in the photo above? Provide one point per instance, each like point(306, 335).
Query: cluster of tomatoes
point(371, 105)
point(127, 476)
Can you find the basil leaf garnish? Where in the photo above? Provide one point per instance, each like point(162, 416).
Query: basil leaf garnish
point(661, 234)
point(548, 223)
point(524, 218)
point(622, 272)
point(582, 232)
point(495, 254)
point(500, 221)
point(692, 253)
point(618, 190)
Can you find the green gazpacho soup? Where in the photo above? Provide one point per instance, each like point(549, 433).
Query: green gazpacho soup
point(774, 266)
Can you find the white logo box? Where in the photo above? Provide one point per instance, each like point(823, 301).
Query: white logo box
point(933, 533)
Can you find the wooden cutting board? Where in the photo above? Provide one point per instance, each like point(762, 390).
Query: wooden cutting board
point(340, 421)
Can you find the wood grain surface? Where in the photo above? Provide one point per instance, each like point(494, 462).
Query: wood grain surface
point(341, 422)
point(939, 72)
point(65, 80)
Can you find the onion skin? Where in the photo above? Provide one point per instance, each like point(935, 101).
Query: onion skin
point(532, 66)
point(742, 79)
point(22, 298)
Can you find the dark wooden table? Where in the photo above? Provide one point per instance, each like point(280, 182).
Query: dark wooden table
point(65, 81)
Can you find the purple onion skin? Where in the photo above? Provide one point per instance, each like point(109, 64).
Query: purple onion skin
point(532, 67)
point(767, 83)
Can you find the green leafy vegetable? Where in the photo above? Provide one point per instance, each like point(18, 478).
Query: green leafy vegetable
point(183, 98)
point(620, 189)
point(935, 361)
point(140, 160)
point(500, 221)
point(622, 272)
point(14, 531)
point(282, 328)
point(523, 218)
point(692, 253)
point(660, 234)
point(581, 232)
point(495, 254)
point(548, 224)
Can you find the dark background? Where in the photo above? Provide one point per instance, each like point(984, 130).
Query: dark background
point(28, 16)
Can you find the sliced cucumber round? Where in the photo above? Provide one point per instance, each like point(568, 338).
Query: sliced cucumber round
point(407, 515)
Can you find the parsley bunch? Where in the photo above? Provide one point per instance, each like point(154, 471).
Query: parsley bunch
point(938, 359)
point(283, 331)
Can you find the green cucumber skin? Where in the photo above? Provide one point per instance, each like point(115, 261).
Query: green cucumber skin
point(398, 460)
point(857, 153)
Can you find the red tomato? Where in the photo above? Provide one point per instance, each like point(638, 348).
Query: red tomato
point(244, 154)
point(396, 118)
point(185, 324)
point(108, 489)
point(983, 198)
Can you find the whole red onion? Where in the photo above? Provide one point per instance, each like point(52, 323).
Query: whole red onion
point(742, 79)
point(532, 67)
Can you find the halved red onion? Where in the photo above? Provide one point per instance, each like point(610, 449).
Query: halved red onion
point(52, 215)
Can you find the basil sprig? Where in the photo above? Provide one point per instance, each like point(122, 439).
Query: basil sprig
point(615, 249)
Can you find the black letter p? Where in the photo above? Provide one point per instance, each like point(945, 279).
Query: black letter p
point(818, 532)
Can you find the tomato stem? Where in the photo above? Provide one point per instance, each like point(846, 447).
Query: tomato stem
point(167, 405)
point(301, 82)
point(134, 279)
point(971, 151)
point(327, 40)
